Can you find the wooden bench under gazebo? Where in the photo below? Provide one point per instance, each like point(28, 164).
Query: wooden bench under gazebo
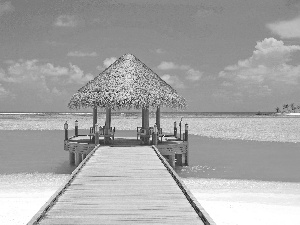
point(126, 84)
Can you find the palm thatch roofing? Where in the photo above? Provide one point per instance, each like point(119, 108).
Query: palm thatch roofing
point(127, 83)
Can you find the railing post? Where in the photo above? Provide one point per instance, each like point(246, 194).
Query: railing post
point(186, 132)
point(76, 128)
point(187, 158)
point(66, 130)
point(154, 135)
point(180, 130)
point(71, 154)
point(175, 129)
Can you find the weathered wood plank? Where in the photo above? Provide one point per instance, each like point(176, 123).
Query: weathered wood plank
point(122, 185)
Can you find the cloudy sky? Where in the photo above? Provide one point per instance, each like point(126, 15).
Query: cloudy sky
point(221, 55)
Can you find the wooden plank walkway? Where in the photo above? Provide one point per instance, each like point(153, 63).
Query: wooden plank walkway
point(121, 185)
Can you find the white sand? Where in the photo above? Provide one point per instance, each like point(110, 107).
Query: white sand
point(228, 202)
point(22, 195)
point(240, 213)
point(231, 202)
point(18, 208)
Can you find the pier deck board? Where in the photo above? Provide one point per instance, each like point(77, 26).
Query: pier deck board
point(122, 185)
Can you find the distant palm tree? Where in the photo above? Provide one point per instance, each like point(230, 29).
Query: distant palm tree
point(292, 105)
point(284, 107)
point(277, 110)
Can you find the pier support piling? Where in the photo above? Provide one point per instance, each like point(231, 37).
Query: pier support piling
point(172, 160)
point(71, 158)
point(178, 158)
point(78, 158)
point(183, 159)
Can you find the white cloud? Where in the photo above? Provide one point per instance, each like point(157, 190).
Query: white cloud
point(55, 91)
point(66, 21)
point(77, 75)
point(82, 54)
point(100, 68)
point(158, 51)
point(193, 75)
point(21, 70)
point(4, 77)
point(108, 61)
point(32, 70)
point(6, 7)
point(286, 28)
point(170, 66)
point(173, 80)
point(41, 83)
point(3, 92)
point(266, 70)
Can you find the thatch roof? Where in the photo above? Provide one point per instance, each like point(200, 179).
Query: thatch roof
point(127, 83)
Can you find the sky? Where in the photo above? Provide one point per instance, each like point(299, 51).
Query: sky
point(220, 55)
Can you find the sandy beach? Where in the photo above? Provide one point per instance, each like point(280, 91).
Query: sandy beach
point(230, 178)
point(247, 202)
point(23, 194)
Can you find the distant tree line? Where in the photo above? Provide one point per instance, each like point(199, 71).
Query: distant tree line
point(288, 108)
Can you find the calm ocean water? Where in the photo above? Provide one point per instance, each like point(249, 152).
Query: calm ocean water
point(233, 153)
point(241, 126)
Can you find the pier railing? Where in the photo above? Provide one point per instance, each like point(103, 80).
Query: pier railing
point(47, 206)
point(206, 219)
point(173, 147)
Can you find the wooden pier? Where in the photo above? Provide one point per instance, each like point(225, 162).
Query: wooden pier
point(123, 185)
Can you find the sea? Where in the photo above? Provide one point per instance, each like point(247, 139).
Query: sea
point(244, 168)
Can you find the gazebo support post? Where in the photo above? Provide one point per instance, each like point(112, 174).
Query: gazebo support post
point(146, 125)
point(158, 118)
point(107, 123)
point(94, 116)
point(143, 118)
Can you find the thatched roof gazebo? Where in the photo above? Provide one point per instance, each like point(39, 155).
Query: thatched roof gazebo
point(127, 84)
